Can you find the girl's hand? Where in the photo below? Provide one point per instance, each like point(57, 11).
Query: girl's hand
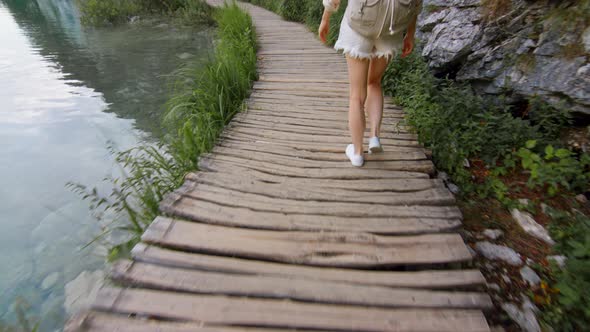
point(324, 29)
point(409, 38)
point(408, 46)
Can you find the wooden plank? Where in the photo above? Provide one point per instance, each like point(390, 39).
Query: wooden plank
point(311, 127)
point(355, 250)
point(106, 322)
point(259, 191)
point(329, 148)
point(376, 169)
point(257, 202)
point(416, 154)
point(212, 163)
point(224, 215)
point(433, 279)
point(229, 311)
point(329, 292)
point(287, 79)
point(402, 184)
point(420, 165)
point(306, 138)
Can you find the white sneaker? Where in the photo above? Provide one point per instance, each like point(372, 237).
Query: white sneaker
point(375, 145)
point(357, 160)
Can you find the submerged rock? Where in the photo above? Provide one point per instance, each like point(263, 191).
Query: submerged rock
point(50, 281)
point(496, 252)
point(81, 292)
point(530, 226)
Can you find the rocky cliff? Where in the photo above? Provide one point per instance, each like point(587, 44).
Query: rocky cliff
point(516, 48)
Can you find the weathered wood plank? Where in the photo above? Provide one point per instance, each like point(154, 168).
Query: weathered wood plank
point(376, 169)
point(434, 279)
point(326, 147)
point(417, 154)
point(217, 214)
point(105, 322)
point(322, 249)
point(224, 311)
point(328, 292)
point(298, 195)
point(257, 202)
point(211, 163)
point(401, 184)
point(416, 165)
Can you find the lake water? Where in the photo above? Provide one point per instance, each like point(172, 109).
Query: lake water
point(66, 94)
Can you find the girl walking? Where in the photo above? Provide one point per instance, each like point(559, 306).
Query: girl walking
point(371, 34)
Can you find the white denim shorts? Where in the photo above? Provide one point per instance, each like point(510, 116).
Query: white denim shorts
point(356, 46)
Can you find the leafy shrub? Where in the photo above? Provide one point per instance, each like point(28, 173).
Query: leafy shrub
point(555, 168)
point(550, 119)
point(453, 121)
point(293, 10)
point(568, 308)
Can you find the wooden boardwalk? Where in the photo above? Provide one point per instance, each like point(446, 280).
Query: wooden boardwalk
point(278, 232)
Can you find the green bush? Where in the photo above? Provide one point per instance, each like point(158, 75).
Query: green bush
point(293, 10)
point(568, 308)
point(454, 122)
point(555, 168)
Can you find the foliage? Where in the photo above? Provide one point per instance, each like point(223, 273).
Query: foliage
point(205, 99)
point(555, 168)
point(551, 119)
point(97, 12)
point(450, 119)
point(568, 307)
point(101, 12)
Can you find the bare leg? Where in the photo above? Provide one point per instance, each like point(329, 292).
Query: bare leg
point(374, 104)
point(357, 75)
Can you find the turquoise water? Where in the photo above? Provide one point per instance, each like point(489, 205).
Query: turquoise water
point(66, 94)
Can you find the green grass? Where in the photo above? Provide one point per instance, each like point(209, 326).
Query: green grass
point(205, 99)
point(103, 12)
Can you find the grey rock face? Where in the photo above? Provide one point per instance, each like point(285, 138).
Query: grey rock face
point(452, 38)
point(523, 53)
point(496, 252)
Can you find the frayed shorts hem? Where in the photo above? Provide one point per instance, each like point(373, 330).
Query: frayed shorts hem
point(355, 54)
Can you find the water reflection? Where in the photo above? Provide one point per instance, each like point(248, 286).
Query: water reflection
point(65, 93)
